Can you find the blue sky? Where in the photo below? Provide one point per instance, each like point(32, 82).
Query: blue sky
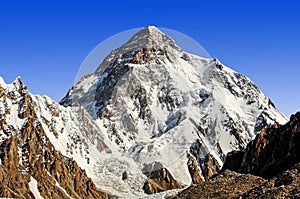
point(45, 42)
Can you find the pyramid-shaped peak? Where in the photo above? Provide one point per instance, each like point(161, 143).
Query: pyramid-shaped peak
point(152, 28)
point(148, 37)
point(149, 31)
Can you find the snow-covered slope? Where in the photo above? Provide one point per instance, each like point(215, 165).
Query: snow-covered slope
point(154, 102)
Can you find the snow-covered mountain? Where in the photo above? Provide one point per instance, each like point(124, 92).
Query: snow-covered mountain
point(150, 103)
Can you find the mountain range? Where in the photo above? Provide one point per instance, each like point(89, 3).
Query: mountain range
point(151, 118)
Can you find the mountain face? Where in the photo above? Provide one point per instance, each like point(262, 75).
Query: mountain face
point(152, 102)
point(269, 167)
point(36, 135)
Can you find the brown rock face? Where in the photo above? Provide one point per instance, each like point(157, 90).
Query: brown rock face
point(194, 171)
point(145, 55)
point(14, 184)
point(274, 150)
point(160, 180)
point(48, 167)
point(233, 160)
point(28, 153)
point(211, 166)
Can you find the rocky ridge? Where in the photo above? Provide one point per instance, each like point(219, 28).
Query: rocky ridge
point(274, 150)
point(30, 165)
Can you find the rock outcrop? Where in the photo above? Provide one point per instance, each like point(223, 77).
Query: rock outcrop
point(274, 150)
point(194, 170)
point(160, 180)
point(210, 166)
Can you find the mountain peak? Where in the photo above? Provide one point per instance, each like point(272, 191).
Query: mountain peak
point(155, 103)
point(148, 37)
point(17, 80)
point(2, 82)
point(150, 33)
point(17, 83)
point(150, 29)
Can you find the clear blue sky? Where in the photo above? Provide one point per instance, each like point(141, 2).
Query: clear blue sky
point(45, 43)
